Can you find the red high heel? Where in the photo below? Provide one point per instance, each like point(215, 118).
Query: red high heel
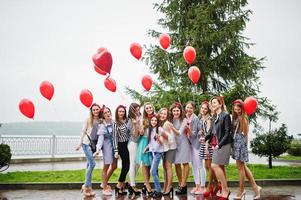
point(209, 192)
point(216, 189)
point(225, 198)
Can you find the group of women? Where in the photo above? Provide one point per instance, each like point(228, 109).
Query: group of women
point(175, 135)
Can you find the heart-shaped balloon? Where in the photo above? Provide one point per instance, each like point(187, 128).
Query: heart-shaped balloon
point(136, 50)
point(194, 74)
point(110, 84)
point(189, 54)
point(27, 108)
point(147, 82)
point(164, 40)
point(103, 61)
point(86, 98)
point(47, 89)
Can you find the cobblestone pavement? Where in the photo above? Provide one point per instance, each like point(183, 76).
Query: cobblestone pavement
point(268, 193)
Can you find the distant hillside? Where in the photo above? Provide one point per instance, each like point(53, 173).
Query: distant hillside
point(41, 128)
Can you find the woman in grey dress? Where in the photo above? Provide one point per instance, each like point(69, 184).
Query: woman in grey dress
point(240, 127)
point(183, 152)
point(220, 139)
point(105, 143)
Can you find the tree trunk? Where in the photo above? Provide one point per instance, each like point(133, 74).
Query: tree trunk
point(270, 162)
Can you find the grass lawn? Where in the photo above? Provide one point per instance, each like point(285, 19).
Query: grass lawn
point(289, 157)
point(259, 172)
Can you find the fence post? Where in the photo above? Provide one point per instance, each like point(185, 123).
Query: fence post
point(53, 146)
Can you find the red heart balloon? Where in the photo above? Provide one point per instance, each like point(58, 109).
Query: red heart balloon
point(189, 54)
point(103, 60)
point(99, 71)
point(86, 98)
point(194, 74)
point(27, 108)
point(250, 105)
point(47, 89)
point(136, 50)
point(147, 82)
point(164, 40)
point(110, 84)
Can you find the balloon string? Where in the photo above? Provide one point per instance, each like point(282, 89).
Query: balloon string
point(169, 67)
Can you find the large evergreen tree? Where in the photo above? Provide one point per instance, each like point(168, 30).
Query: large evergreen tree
point(215, 29)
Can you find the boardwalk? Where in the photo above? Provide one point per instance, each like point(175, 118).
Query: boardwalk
point(269, 193)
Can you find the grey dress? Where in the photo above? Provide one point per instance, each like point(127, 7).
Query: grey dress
point(183, 152)
point(105, 142)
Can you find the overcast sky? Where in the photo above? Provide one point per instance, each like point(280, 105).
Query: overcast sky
point(54, 40)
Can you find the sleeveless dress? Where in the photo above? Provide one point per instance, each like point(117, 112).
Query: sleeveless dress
point(240, 147)
point(183, 152)
point(141, 157)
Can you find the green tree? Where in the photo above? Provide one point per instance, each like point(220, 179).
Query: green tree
point(214, 28)
point(271, 144)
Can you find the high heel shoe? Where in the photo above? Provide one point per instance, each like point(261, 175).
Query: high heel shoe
point(145, 191)
point(119, 191)
point(259, 192)
point(243, 195)
point(133, 190)
point(171, 191)
point(181, 190)
point(87, 191)
point(218, 188)
point(156, 195)
point(209, 192)
point(225, 198)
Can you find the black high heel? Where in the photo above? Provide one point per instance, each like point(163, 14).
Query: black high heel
point(156, 195)
point(146, 192)
point(182, 190)
point(119, 191)
point(133, 191)
point(168, 193)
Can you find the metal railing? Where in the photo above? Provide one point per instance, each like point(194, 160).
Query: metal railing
point(49, 145)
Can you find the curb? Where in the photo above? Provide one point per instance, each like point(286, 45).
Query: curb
point(69, 186)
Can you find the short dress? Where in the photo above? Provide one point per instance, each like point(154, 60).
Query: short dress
point(106, 131)
point(240, 147)
point(141, 157)
point(203, 146)
point(183, 152)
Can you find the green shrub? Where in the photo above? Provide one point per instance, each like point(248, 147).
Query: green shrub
point(5, 154)
point(295, 148)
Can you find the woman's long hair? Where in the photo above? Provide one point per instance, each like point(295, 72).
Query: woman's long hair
point(243, 117)
point(161, 123)
point(182, 112)
point(100, 116)
point(118, 121)
point(150, 128)
point(145, 115)
point(132, 110)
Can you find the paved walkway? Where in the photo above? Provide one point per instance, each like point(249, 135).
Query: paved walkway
point(268, 193)
point(72, 165)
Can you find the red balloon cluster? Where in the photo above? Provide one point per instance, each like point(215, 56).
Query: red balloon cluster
point(147, 82)
point(136, 50)
point(103, 60)
point(164, 40)
point(110, 84)
point(47, 89)
point(86, 98)
point(194, 74)
point(27, 108)
point(250, 105)
point(189, 54)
